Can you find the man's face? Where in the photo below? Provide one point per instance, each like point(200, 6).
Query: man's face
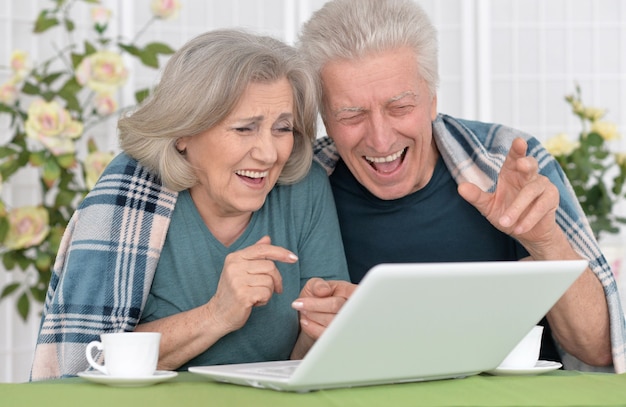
point(379, 113)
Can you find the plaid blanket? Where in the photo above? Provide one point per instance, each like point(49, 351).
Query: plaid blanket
point(475, 152)
point(104, 268)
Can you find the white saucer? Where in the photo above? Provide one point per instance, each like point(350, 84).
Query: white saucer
point(99, 377)
point(542, 366)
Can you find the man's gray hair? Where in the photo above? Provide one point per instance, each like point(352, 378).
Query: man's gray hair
point(352, 29)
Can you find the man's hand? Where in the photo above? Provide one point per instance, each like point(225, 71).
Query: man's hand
point(319, 302)
point(524, 206)
point(524, 203)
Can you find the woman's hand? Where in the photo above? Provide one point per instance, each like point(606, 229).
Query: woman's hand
point(249, 279)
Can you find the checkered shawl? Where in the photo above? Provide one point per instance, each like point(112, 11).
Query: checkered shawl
point(475, 152)
point(104, 268)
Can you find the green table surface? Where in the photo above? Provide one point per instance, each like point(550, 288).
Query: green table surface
point(560, 388)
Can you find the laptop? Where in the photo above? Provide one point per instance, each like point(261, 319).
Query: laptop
point(419, 321)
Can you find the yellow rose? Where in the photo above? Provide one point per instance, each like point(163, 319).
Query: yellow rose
point(578, 107)
point(165, 8)
point(28, 226)
point(593, 113)
point(95, 163)
point(51, 125)
point(100, 15)
point(103, 71)
point(105, 104)
point(8, 93)
point(560, 145)
point(607, 130)
point(20, 64)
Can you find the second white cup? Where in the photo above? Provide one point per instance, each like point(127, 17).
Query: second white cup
point(526, 353)
point(126, 354)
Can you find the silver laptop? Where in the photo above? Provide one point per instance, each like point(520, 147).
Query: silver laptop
point(414, 322)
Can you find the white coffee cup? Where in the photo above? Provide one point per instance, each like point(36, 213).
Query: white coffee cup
point(526, 353)
point(126, 354)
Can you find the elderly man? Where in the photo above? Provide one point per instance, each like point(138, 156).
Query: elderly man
point(411, 184)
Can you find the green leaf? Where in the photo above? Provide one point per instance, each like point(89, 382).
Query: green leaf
point(5, 108)
point(10, 167)
point(37, 158)
point(71, 85)
point(48, 80)
point(71, 102)
point(4, 228)
point(38, 294)
point(6, 151)
point(48, 96)
point(51, 172)
point(9, 289)
point(104, 41)
point(92, 147)
point(620, 219)
point(149, 59)
point(69, 92)
point(140, 95)
point(8, 260)
point(159, 48)
point(131, 49)
point(76, 59)
point(595, 139)
point(23, 262)
point(69, 25)
point(66, 160)
point(64, 198)
point(44, 23)
point(56, 234)
point(30, 89)
point(100, 29)
point(23, 306)
point(89, 48)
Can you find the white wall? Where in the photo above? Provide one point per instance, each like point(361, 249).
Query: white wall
point(508, 61)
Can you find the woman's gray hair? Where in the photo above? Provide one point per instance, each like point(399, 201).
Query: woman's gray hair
point(351, 29)
point(200, 86)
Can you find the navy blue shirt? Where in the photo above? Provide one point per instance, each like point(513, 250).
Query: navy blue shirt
point(434, 224)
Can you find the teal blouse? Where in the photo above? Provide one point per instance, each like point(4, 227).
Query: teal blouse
point(300, 217)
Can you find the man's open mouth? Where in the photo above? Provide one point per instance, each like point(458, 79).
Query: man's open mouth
point(388, 163)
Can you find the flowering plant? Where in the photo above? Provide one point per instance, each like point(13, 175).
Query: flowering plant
point(54, 108)
point(596, 173)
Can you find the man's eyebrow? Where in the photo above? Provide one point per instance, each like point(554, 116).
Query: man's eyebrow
point(349, 109)
point(358, 109)
point(401, 96)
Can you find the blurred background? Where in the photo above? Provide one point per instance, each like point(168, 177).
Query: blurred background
point(506, 61)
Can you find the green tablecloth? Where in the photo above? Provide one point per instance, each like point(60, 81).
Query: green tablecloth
point(553, 389)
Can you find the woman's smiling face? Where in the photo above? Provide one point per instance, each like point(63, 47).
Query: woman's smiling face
point(239, 160)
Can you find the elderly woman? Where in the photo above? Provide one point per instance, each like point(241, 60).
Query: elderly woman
point(210, 224)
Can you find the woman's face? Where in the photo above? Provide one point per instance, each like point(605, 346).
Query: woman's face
point(239, 160)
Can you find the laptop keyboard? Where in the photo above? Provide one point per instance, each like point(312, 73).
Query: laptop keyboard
point(275, 371)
